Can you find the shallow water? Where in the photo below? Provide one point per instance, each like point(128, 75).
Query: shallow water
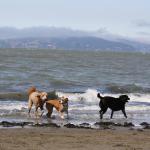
point(79, 76)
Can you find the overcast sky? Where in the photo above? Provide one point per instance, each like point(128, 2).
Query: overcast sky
point(129, 18)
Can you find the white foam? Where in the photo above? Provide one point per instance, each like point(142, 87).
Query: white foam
point(87, 101)
point(140, 97)
point(89, 108)
point(90, 96)
point(138, 108)
point(12, 105)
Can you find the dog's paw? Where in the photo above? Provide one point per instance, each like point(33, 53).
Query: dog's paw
point(28, 116)
point(62, 117)
point(41, 113)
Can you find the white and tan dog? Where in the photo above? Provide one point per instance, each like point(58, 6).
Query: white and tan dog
point(61, 105)
point(37, 98)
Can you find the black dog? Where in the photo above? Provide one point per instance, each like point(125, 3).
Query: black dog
point(115, 104)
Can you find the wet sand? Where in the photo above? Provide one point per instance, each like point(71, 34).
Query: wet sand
point(46, 138)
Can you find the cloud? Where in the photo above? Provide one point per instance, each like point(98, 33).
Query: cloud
point(142, 23)
point(104, 33)
point(102, 30)
point(143, 33)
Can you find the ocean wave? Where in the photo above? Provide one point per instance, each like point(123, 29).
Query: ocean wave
point(90, 96)
point(13, 96)
point(130, 88)
point(87, 97)
point(12, 105)
point(78, 102)
point(22, 96)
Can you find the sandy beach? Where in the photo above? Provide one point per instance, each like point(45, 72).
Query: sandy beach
point(42, 138)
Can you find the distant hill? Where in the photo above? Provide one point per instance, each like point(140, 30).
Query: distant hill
point(40, 32)
point(142, 47)
point(65, 38)
point(70, 43)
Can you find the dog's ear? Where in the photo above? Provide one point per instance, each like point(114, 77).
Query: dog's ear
point(38, 96)
point(60, 101)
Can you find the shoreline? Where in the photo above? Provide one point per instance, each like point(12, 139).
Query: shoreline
point(55, 138)
point(97, 125)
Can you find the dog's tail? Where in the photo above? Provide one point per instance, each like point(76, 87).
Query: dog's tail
point(31, 90)
point(99, 96)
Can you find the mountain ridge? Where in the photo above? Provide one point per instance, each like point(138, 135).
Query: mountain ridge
point(66, 38)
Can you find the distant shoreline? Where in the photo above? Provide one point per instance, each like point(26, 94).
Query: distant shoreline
point(77, 50)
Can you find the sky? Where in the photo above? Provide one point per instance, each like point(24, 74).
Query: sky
point(129, 18)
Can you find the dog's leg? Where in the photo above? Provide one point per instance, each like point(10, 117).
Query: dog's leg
point(49, 113)
point(101, 115)
point(29, 110)
point(102, 112)
point(42, 113)
point(124, 112)
point(67, 111)
point(41, 107)
point(36, 112)
point(62, 115)
point(49, 108)
point(67, 114)
point(112, 112)
point(30, 103)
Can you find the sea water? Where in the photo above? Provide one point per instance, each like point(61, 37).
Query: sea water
point(78, 75)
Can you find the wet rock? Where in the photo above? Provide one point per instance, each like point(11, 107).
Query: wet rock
point(81, 126)
point(106, 127)
point(46, 125)
point(118, 124)
point(6, 124)
point(22, 124)
point(108, 124)
point(84, 124)
point(70, 125)
point(144, 124)
point(128, 124)
point(13, 124)
point(147, 127)
point(141, 130)
point(104, 123)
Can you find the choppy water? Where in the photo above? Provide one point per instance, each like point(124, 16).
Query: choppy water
point(78, 75)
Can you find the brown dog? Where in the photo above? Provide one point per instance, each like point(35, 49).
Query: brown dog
point(37, 98)
point(61, 105)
